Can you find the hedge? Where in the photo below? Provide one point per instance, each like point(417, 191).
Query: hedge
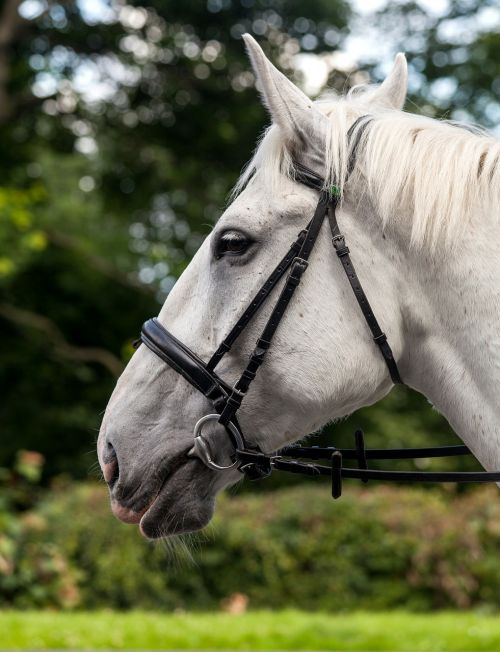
point(376, 548)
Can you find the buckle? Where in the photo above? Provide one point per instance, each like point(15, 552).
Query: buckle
point(254, 464)
point(299, 266)
point(256, 471)
point(341, 248)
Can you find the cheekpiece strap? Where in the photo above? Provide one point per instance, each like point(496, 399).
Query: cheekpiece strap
point(309, 178)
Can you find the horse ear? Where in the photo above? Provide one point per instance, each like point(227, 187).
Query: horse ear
point(392, 92)
point(289, 107)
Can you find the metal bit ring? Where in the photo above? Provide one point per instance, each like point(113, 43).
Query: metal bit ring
point(202, 450)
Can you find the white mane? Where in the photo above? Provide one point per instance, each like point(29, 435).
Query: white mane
point(437, 174)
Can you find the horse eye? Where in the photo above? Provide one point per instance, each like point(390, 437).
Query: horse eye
point(232, 243)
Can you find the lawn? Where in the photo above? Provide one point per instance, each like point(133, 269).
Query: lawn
point(260, 630)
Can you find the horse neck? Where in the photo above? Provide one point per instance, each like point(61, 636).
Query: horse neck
point(452, 335)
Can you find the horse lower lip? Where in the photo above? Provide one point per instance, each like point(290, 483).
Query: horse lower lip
point(131, 515)
point(153, 503)
point(149, 506)
point(155, 499)
point(155, 513)
point(145, 516)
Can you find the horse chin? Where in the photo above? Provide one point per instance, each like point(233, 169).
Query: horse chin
point(185, 503)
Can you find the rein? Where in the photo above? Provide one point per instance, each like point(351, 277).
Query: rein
point(227, 399)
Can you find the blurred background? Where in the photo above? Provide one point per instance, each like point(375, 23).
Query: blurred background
point(123, 126)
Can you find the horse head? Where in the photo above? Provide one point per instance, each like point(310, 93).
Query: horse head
point(323, 364)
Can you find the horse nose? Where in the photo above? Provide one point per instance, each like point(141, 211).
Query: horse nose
point(125, 505)
point(110, 467)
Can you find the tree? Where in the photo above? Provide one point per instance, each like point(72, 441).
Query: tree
point(455, 56)
point(128, 178)
point(121, 134)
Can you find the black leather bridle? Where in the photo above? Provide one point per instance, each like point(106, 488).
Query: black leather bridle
point(227, 399)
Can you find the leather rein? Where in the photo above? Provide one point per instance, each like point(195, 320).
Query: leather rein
point(227, 399)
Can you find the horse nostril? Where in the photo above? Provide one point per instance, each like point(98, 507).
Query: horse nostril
point(110, 468)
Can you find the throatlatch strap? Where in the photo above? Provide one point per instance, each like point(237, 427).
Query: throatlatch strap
point(379, 337)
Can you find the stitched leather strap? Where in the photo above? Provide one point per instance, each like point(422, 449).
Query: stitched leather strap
point(183, 360)
point(337, 471)
point(379, 337)
point(391, 476)
point(257, 301)
point(178, 356)
point(298, 267)
point(312, 180)
point(325, 453)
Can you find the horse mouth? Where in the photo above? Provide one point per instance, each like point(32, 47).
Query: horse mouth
point(183, 504)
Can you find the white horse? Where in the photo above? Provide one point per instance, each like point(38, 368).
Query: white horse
point(422, 218)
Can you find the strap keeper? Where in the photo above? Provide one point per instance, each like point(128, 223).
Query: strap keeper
point(341, 249)
point(257, 355)
point(344, 251)
point(248, 375)
point(232, 404)
point(380, 339)
point(299, 266)
point(359, 439)
point(336, 474)
point(235, 398)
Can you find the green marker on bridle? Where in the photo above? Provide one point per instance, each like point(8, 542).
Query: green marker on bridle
point(335, 191)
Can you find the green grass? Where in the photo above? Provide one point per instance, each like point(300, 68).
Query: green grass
point(286, 630)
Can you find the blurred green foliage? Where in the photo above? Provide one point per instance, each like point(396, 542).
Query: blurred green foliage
point(453, 53)
point(112, 175)
point(376, 548)
point(34, 571)
point(19, 234)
